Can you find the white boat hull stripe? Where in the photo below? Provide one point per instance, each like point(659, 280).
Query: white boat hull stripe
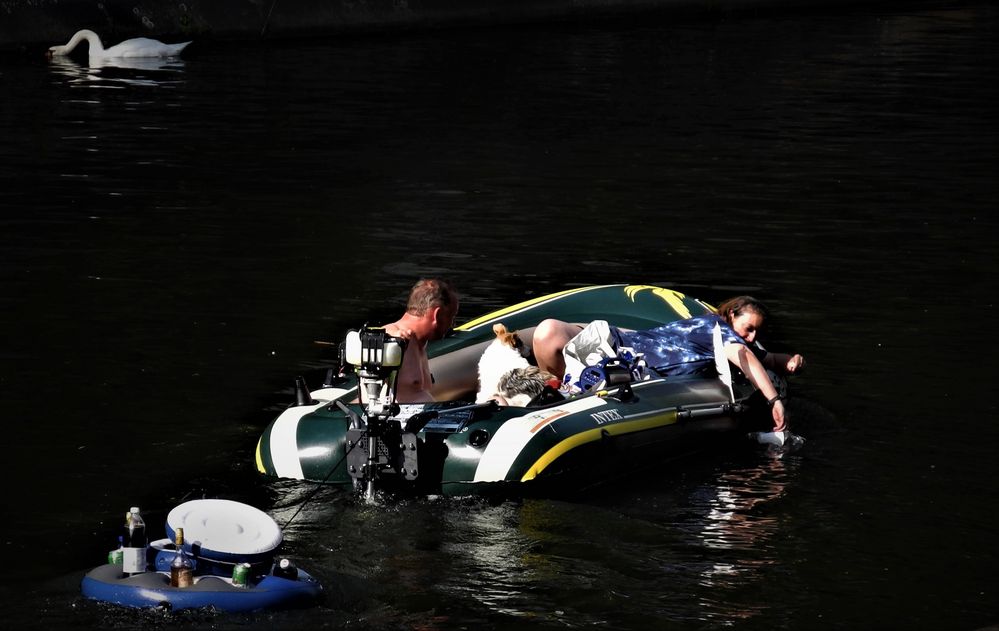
point(284, 442)
point(511, 438)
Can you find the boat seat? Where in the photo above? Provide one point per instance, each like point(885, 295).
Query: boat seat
point(456, 375)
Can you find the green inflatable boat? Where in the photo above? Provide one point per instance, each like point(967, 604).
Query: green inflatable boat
point(455, 446)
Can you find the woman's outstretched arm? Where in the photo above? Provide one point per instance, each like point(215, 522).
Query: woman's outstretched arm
point(783, 363)
point(743, 359)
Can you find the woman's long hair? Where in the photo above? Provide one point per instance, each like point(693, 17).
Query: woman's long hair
point(734, 307)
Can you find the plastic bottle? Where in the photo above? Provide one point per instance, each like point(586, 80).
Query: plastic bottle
point(769, 438)
point(181, 568)
point(134, 550)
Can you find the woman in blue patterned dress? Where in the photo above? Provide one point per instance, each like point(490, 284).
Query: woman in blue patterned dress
point(686, 346)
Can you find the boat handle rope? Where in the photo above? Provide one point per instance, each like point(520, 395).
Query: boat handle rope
point(267, 21)
point(320, 485)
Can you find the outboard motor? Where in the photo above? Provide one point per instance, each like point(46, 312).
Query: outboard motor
point(377, 357)
point(377, 443)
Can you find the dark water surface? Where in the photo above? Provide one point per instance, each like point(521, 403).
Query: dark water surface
point(175, 237)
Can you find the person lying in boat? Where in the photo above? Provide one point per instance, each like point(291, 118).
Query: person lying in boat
point(430, 313)
point(686, 346)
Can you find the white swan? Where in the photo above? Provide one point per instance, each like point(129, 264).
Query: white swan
point(130, 48)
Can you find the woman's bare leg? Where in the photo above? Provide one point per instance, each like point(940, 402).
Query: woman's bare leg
point(550, 337)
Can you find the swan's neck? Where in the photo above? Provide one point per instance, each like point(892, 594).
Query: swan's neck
point(91, 37)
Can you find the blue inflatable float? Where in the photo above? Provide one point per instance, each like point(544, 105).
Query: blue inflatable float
point(219, 535)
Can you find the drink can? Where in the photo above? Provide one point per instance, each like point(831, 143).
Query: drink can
point(116, 557)
point(241, 574)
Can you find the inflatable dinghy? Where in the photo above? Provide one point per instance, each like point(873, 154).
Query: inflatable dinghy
point(456, 446)
point(233, 547)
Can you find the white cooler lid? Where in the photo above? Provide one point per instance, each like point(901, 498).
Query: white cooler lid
point(225, 526)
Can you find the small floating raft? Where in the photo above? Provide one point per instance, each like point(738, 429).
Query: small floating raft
point(219, 535)
point(152, 589)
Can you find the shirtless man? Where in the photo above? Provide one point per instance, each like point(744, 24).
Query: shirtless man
point(430, 313)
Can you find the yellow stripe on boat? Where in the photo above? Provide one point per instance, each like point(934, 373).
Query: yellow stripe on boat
point(468, 326)
point(671, 297)
point(260, 460)
point(595, 434)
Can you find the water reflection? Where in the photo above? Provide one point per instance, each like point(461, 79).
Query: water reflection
point(739, 537)
point(734, 519)
point(119, 73)
point(491, 545)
